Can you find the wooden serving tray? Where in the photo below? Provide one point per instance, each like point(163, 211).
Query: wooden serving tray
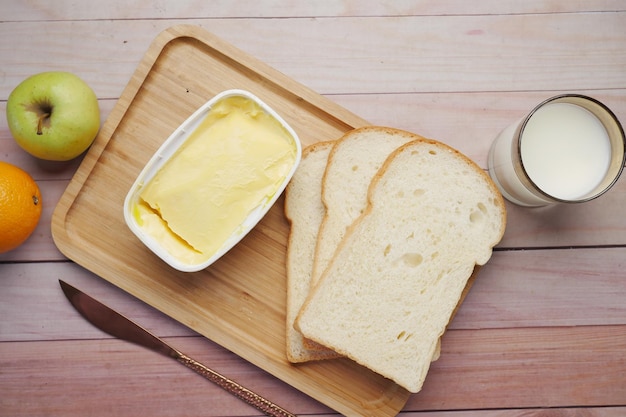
point(239, 301)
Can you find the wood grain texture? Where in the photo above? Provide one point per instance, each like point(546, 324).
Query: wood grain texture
point(240, 301)
point(395, 54)
point(541, 333)
point(508, 368)
point(112, 377)
point(118, 9)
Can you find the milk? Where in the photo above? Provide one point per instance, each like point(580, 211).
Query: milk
point(565, 150)
point(564, 155)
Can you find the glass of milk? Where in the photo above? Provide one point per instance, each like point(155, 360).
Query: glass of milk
point(569, 149)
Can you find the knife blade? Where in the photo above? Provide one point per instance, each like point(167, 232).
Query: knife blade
point(115, 324)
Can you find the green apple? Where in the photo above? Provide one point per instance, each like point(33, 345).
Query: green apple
point(53, 115)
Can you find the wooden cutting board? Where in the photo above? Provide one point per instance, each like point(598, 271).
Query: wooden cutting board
point(238, 302)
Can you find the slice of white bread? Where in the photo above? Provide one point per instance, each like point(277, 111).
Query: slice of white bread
point(352, 164)
point(304, 211)
point(397, 277)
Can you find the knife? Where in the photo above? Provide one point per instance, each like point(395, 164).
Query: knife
point(115, 324)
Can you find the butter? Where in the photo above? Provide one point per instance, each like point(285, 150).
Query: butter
point(235, 161)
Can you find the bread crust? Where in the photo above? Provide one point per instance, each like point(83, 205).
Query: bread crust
point(297, 350)
point(499, 200)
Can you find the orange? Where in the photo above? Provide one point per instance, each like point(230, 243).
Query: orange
point(20, 206)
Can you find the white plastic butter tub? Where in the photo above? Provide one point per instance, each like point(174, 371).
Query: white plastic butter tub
point(167, 151)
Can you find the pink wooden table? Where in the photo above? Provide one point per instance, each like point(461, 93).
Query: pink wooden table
point(543, 330)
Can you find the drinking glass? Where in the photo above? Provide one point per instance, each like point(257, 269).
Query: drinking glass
point(568, 149)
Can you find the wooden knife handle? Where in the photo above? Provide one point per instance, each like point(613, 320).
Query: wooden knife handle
point(255, 400)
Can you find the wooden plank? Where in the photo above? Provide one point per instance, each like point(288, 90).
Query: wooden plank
point(545, 288)
point(527, 367)
point(34, 307)
point(66, 9)
point(479, 369)
point(467, 121)
point(114, 378)
point(538, 288)
point(596, 223)
point(447, 54)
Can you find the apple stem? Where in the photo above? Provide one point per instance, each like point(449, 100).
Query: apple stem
point(40, 122)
